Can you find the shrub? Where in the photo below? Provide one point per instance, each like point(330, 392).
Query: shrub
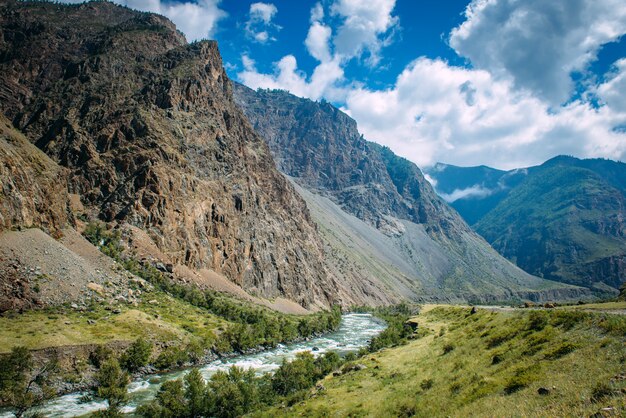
point(171, 357)
point(602, 390)
point(232, 394)
point(427, 384)
point(522, 378)
point(537, 320)
point(296, 375)
point(448, 347)
point(101, 354)
point(137, 355)
point(562, 349)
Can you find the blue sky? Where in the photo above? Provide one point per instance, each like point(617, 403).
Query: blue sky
point(506, 83)
point(428, 21)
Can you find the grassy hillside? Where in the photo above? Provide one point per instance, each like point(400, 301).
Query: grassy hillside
point(518, 363)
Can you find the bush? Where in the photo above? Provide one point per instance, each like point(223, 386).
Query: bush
point(601, 391)
point(101, 354)
point(171, 357)
point(521, 379)
point(537, 320)
point(295, 375)
point(427, 384)
point(448, 347)
point(232, 394)
point(561, 350)
point(137, 355)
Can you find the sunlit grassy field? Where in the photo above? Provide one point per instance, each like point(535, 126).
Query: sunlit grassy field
point(165, 319)
point(492, 364)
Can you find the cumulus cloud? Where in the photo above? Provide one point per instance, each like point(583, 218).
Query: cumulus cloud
point(317, 41)
point(259, 24)
point(286, 76)
point(474, 192)
point(538, 44)
point(197, 20)
point(437, 112)
point(613, 91)
point(364, 25)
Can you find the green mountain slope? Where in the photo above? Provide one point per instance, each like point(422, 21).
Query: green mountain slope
point(563, 222)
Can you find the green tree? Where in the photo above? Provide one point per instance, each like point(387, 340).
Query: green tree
point(22, 384)
point(137, 355)
point(112, 386)
point(295, 375)
point(232, 394)
point(194, 393)
point(171, 398)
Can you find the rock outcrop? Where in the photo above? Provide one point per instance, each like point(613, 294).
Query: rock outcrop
point(146, 131)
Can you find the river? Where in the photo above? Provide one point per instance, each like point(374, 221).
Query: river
point(354, 332)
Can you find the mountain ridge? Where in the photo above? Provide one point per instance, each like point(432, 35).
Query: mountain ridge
point(562, 220)
point(320, 148)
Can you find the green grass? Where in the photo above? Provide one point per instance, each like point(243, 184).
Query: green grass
point(498, 362)
point(168, 320)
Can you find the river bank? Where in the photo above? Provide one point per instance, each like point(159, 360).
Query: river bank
point(355, 332)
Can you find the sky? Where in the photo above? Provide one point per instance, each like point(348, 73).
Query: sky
point(504, 83)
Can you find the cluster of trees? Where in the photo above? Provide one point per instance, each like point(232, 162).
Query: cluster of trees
point(236, 392)
point(113, 375)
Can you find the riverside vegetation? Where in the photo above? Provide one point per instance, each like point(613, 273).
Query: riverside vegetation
point(177, 325)
point(561, 362)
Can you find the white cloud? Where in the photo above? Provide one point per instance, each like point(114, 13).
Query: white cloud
point(538, 43)
point(613, 90)
point(263, 12)
point(260, 24)
point(197, 20)
point(286, 76)
point(475, 191)
point(317, 13)
point(428, 116)
point(364, 25)
point(317, 41)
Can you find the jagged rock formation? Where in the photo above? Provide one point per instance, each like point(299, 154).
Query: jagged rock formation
point(405, 235)
point(563, 220)
point(146, 131)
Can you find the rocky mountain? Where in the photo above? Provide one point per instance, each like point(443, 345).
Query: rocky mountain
point(377, 213)
point(562, 220)
point(116, 109)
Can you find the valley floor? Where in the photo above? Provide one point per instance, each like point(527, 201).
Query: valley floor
point(560, 362)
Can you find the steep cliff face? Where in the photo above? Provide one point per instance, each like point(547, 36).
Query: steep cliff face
point(146, 128)
point(408, 237)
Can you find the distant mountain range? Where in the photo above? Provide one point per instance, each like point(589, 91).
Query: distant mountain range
point(563, 220)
